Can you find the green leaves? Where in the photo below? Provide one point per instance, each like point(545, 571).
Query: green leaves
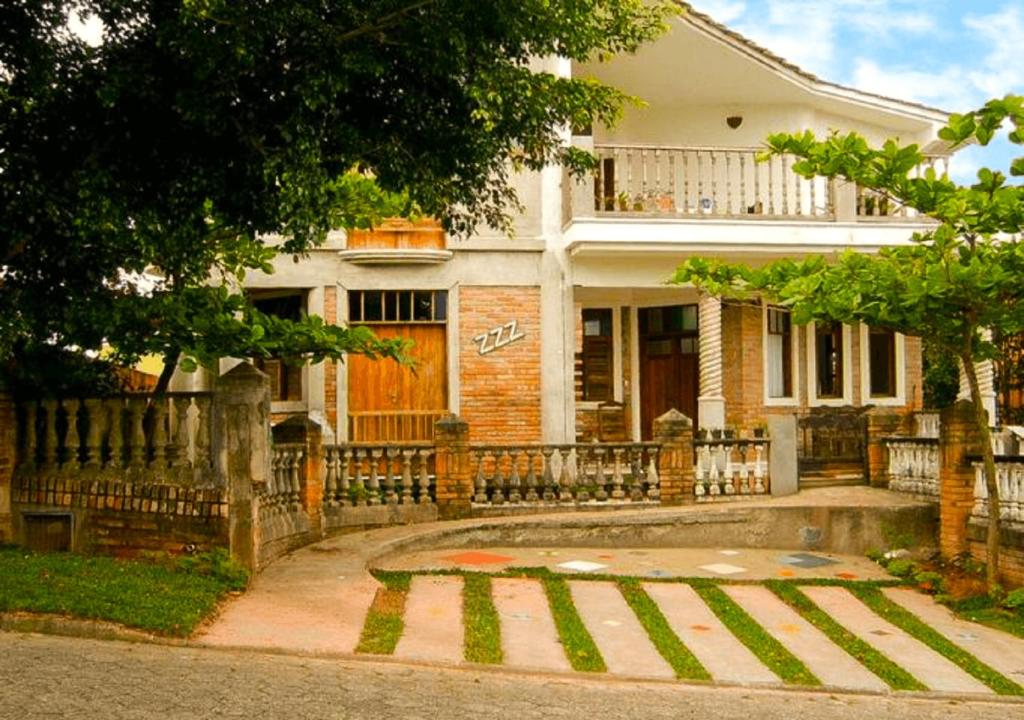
point(200, 134)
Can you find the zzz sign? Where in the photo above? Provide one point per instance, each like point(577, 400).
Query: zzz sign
point(499, 337)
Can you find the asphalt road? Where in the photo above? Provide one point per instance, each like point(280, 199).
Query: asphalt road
point(57, 677)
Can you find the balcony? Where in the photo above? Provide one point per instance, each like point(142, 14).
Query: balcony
point(717, 183)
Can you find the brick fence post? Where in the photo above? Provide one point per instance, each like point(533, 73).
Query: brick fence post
point(241, 452)
point(8, 457)
point(454, 484)
point(881, 424)
point(674, 431)
point(310, 434)
point(958, 438)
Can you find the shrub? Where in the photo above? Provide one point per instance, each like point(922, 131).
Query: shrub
point(902, 567)
point(929, 581)
point(216, 563)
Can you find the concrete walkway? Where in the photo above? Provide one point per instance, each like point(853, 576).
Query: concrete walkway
point(316, 600)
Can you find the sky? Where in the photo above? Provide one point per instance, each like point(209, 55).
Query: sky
point(948, 54)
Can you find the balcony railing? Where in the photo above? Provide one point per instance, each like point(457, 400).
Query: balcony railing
point(705, 182)
point(692, 182)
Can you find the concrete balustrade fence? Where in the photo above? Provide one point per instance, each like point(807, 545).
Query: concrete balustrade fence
point(730, 468)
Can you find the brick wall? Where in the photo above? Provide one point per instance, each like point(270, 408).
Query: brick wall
point(743, 371)
point(331, 368)
point(125, 519)
point(500, 390)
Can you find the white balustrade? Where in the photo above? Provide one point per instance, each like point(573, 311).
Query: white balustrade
point(362, 474)
point(914, 465)
point(705, 182)
point(592, 473)
point(1010, 481)
point(730, 468)
point(166, 437)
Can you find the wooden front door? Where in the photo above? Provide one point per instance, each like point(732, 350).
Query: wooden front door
point(388, 402)
point(669, 365)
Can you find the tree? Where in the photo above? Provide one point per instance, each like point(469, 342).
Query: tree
point(957, 284)
point(198, 133)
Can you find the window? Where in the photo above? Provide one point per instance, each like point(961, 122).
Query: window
point(285, 377)
point(882, 362)
point(828, 356)
point(397, 306)
point(597, 355)
point(779, 372)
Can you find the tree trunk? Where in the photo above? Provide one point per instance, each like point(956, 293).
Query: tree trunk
point(170, 364)
point(981, 418)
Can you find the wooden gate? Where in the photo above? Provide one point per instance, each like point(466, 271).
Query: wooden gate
point(832, 447)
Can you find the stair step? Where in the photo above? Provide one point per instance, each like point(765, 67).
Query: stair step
point(816, 481)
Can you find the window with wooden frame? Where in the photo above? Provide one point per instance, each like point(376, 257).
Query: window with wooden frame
point(285, 377)
point(828, 349)
point(397, 306)
point(779, 355)
point(882, 362)
point(597, 355)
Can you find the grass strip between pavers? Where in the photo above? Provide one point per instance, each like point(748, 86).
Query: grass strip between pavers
point(892, 674)
point(683, 662)
point(767, 649)
point(483, 628)
point(579, 646)
point(384, 621)
point(917, 628)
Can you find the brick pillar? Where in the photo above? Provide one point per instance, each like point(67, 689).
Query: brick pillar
point(958, 438)
point(454, 485)
point(882, 424)
point(8, 454)
point(675, 464)
point(241, 452)
point(308, 432)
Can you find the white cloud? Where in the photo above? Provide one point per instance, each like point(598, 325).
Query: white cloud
point(723, 11)
point(949, 88)
point(1003, 33)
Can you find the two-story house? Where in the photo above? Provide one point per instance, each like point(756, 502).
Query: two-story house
point(567, 329)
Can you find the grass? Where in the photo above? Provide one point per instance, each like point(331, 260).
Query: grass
point(912, 625)
point(165, 596)
point(767, 649)
point(683, 662)
point(892, 674)
point(384, 621)
point(483, 629)
point(983, 610)
point(579, 646)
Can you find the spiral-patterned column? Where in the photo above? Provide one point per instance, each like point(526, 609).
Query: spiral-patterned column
point(711, 403)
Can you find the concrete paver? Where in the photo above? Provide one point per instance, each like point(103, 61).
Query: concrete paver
point(717, 649)
point(529, 638)
point(928, 666)
point(433, 621)
point(1001, 651)
point(830, 663)
point(622, 640)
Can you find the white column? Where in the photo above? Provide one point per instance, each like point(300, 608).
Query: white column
point(315, 384)
point(710, 402)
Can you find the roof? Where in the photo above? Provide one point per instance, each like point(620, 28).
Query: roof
point(706, 22)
